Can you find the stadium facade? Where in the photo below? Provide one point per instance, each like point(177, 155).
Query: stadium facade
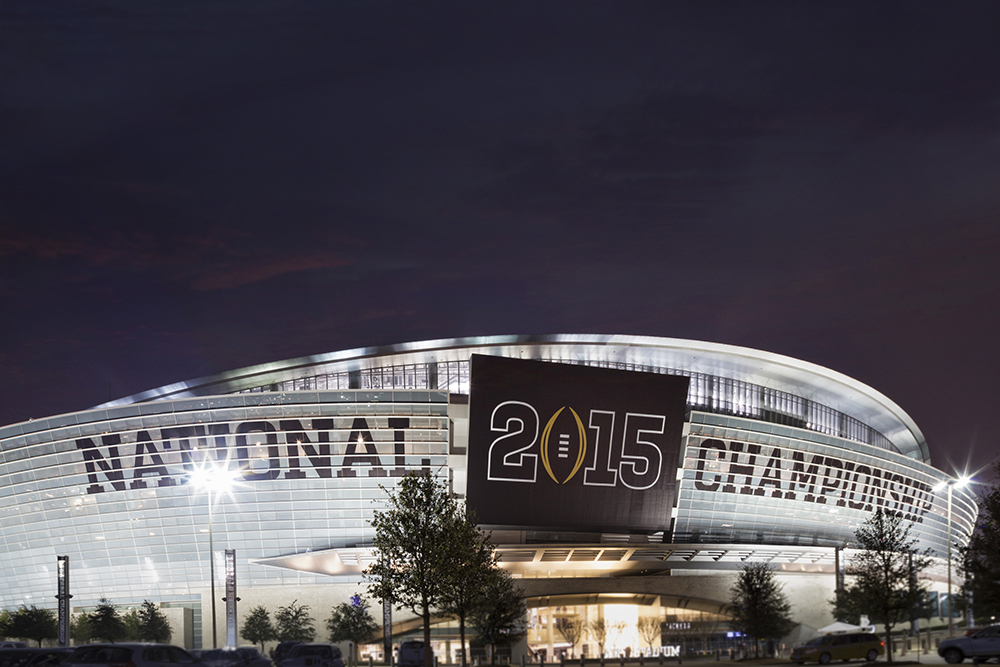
point(640, 509)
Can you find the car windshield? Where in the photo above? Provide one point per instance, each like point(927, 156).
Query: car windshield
point(818, 641)
point(222, 655)
point(15, 658)
point(100, 655)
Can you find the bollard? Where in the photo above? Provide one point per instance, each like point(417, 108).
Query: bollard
point(621, 660)
point(659, 658)
point(581, 660)
point(602, 660)
point(562, 660)
point(370, 660)
point(642, 660)
point(522, 661)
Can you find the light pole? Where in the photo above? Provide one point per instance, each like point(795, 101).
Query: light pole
point(951, 484)
point(213, 478)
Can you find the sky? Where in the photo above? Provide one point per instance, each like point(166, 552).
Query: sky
point(201, 185)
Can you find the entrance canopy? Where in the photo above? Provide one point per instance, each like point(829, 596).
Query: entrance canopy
point(838, 627)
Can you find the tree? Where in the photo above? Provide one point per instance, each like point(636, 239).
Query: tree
point(294, 622)
point(79, 628)
point(572, 629)
point(598, 629)
point(131, 620)
point(257, 627)
point(884, 573)
point(650, 629)
point(106, 623)
point(413, 549)
point(499, 617)
point(615, 629)
point(153, 624)
point(472, 563)
point(982, 558)
point(351, 622)
point(34, 624)
point(760, 608)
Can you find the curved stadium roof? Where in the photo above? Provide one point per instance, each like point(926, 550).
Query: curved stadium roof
point(752, 372)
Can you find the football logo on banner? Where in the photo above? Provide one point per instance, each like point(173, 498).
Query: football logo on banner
point(567, 446)
point(581, 447)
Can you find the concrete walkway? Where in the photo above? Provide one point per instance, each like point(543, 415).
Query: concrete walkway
point(910, 658)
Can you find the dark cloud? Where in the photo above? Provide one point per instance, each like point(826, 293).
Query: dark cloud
point(194, 187)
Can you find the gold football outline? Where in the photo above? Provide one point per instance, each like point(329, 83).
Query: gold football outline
point(545, 445)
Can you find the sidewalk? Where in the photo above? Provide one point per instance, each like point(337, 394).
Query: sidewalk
point(910, 658)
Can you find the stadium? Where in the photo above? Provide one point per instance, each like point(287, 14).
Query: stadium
point(623, 477)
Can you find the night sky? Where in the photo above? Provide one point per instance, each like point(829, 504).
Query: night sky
point(188, 187)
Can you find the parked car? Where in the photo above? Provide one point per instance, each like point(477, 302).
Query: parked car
point(243, 656)
point(411, 653)
point(281, 650)
point(13, 645)
point(981, 646)
point(313, 655)
point(129, 655)
point(32, 657)
point(848, 646)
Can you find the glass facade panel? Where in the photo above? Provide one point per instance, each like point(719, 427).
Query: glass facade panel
point(708, 393)
point(800, 489)
point(118, 502)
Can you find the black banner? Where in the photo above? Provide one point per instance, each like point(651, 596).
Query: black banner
point(62, 588)
point(573, 447)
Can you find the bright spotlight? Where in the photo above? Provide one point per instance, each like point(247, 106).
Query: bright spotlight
point(213, 477)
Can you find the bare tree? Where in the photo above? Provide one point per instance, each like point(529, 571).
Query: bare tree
point(615, 630)
point(598, 630)
point(572, 629)
point(650, 629)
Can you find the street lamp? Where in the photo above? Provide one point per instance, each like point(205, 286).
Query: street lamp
point(214, 478)
point(951, 484)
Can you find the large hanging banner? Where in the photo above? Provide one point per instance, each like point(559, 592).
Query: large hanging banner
point(231, 598)
point(573, 447)
point(62, 589)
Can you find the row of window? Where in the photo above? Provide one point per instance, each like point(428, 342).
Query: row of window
point(706, 392)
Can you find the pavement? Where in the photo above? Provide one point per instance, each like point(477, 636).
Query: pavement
point(910, 658)
point(898, 660)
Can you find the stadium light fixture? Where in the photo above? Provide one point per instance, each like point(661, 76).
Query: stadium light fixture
point(214, 478)
point(951, 484)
